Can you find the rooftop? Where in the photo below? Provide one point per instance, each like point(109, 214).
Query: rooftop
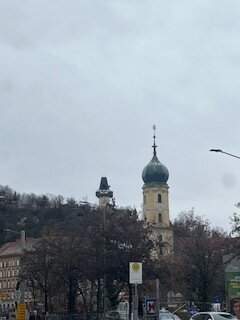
point(15, 248)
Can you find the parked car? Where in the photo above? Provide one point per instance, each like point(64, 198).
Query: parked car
point(176, 317)
point(212, 316)
point(113, 315)
point(166, 315)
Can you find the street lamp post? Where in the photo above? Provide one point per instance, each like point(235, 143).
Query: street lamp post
point(224, 152)
point(237, 157)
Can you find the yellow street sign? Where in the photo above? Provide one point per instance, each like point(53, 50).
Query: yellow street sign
point(135, 272)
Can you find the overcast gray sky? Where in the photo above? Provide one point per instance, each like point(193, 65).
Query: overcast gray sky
point(82, 82)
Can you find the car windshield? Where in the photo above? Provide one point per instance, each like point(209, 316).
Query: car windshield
point(223, 316)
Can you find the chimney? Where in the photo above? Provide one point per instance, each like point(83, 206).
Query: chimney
point(23, 239)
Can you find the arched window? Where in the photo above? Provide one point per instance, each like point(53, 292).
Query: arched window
point(159, 217)
point(144, 199)
point(159, 198)
point(161, 251)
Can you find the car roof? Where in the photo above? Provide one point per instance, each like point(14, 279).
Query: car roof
point(213, 312)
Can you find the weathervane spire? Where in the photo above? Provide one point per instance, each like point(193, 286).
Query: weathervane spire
point(154, 141)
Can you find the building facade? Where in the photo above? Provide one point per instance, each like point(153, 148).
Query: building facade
point(10, 264)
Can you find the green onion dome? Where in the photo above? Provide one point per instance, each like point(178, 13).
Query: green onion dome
point(155, 172)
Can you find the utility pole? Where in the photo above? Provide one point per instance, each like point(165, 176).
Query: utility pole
point(104, 194)
point(135, 309)
point(135, 277)
point(157, 297)
point(104, 261)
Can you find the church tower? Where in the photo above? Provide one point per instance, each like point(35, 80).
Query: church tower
point(104, 193)
point(156, 202)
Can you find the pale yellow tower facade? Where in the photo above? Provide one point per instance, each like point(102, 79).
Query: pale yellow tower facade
point(156, 203)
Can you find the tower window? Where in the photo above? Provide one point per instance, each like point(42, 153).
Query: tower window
point(159, 198)
point(161, 251)
point(144, 199)
point(160, 217)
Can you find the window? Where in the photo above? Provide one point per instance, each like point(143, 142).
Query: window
point(17, 262)
point(200, 316)
point(159, 198)
point(159, 217)
point(144, 199)
point(226, 315)
point(1, 264)
point(161, 251)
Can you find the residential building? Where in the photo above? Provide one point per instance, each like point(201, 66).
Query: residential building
point(10, 264)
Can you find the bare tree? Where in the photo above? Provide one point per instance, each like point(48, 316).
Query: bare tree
point(199, 251)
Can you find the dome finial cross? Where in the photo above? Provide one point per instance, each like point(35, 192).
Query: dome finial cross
point(154, 141)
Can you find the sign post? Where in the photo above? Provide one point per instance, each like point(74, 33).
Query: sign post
point(157, 297)
point(135, 277)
